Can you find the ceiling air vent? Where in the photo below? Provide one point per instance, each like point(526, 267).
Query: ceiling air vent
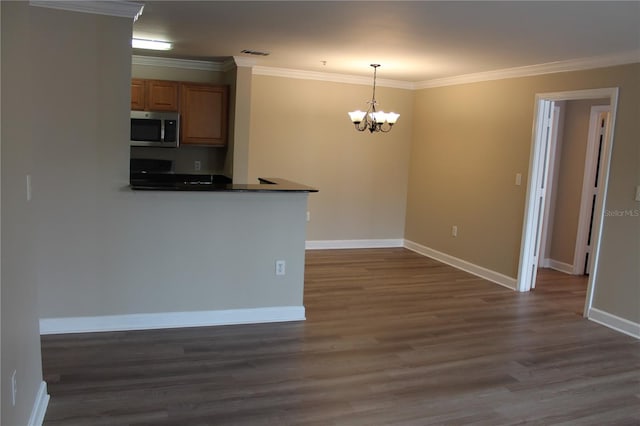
point(255, 52)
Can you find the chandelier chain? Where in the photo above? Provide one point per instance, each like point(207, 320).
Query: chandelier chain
point(373, 120)
point(375, 71)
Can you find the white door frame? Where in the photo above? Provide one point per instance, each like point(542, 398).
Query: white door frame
point(552, 181)
point(586, 199)
point(530, 230)
point(538, 172)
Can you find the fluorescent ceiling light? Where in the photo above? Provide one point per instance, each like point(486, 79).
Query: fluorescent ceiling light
point(140, 43)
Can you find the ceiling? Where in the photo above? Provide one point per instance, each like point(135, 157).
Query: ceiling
point(414, 41)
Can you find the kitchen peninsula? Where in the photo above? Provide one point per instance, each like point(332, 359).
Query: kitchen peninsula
point(176, 257)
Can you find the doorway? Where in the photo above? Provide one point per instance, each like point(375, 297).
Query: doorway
point(537, 194)
point(578, 131)
point(598, 123)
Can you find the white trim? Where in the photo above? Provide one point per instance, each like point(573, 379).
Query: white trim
point(612, 94)
point(39, 406)
point(578, 64)
point(573, 95)
point(353, 244)
point(526, 71)
point(555, 149)
point(535, 197)
point(244, 61)
point(560, 266)
point(170, 320)
point(598, 221)
point(332, 77)
point(586, 195)
point(123, 9)
point(228, 65)
point(614, 322)
point(176, 63)
point(463, 265)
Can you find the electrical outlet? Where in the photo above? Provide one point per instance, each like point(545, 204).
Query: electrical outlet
point(197, 165)
point(280, 267)
point(14, 388)
point(454, 231)
point(638, 193)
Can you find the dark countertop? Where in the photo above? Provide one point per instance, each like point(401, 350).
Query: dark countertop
point(215, 185)
point(140, 178)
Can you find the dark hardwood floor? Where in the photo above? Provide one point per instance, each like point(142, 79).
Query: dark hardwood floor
point(391, 338)
point(567, 292)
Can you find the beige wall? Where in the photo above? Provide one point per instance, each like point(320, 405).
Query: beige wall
point(300, 131)
point(241, 125)
point(469, 142)
point(230, 79)
point(573, 149)
point(618, 289)
point(19, 314)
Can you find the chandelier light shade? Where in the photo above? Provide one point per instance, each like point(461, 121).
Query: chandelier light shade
point(372, 119)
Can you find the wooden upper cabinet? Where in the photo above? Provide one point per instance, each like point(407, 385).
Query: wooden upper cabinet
point(138, 92)
point(154, 95)
point(204, 111)
point(162, 95)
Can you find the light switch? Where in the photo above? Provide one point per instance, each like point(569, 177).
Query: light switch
point(28, 187)
point(518, 179)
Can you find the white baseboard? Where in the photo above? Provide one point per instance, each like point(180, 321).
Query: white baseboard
point(39, 406)
point(614, 322)
point(559, 266)
point(170, 320)
point(353, 244)
point(469, 267)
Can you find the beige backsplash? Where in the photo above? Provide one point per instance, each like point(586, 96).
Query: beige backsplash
point(211, 159)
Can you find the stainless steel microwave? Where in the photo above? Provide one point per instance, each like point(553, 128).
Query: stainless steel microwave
point(150, 128)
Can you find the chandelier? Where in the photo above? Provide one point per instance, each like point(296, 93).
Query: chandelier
point(371, 119)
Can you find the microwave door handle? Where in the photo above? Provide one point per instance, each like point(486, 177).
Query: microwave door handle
point(162, 130)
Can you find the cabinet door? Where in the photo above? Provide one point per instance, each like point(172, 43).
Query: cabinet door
point(162, 95)
point(138, 99)
point(204, 112)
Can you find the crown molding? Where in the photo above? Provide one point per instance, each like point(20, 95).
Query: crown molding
point(332, 77)
point(228, 65)
point(177, 63)
point(123, 9)
point(243, 61)
point(622, 58)
point(192, 64)
point(579, 64)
